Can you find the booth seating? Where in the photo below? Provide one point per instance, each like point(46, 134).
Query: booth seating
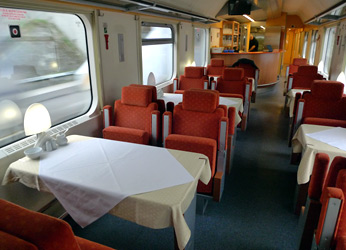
point(215, 68)
point(292, 68)
point(233, 83)
point(193, 78)
point(136, 117)
point(199, 124)
point(332, 222)
point(321, 178)
point(251, 71)
point(324, 105)
point(22, 229)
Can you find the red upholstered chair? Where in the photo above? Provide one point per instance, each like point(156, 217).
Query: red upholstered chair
point(193, 78)
point(136, 117)
point(215, 68)
point(251, 71)
point(332, 221)
point(320, 179)
point(199, 124)
point(324, 105)
point(28, 230)
point(292, 68)
point(233, 83)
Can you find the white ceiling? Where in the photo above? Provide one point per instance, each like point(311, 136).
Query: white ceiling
point(305, 9)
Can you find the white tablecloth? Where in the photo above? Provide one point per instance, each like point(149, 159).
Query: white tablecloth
point(309, 147)
point(228, 101)
point(158, 209)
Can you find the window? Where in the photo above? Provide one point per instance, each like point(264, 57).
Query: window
point(200, 51)
point(313, 46)
point(305, 45)
point(43, 59)
point(157, 52)
point(328, 46)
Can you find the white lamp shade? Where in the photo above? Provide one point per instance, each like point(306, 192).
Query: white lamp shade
point(36, 119)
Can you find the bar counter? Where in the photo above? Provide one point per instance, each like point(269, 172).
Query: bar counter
point(267, 62)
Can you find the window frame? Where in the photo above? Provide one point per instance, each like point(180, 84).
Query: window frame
point(159, 41)
point(91, 108)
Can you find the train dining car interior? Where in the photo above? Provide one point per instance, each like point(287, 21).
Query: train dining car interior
point(190, 124)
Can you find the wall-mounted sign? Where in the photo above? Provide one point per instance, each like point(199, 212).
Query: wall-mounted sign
point(14, 31)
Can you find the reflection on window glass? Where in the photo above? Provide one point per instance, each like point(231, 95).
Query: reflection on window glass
point(306, 36)
point(157, 59)
point(157, 52)
point(200, 46)
point(328, 46)
point(43, 59)
point(313, 46)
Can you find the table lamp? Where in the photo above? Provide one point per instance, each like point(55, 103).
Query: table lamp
point(37, 121)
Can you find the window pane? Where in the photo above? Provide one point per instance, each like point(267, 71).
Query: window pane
point(46, 63)
point(200, 46)
point(150, 32)
point(159, 60)
point(328, 49)
point(313, 46)
point(305, 44)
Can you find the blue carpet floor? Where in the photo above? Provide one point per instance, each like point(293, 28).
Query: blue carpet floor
point(256, 210)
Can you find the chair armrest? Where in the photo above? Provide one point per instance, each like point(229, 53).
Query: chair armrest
point(206, 84)
point(231, 120)
point(175, 84)
point(223, 134)
point(179, 91)
point(126, 134)
point(107, 116)
point(213, 85)
point(289, 84)
point(232, 95)
point(155, 127)
point(325, 122)
point(256, 78)
point(166, 126)
point(298, 115)
point(287, 70)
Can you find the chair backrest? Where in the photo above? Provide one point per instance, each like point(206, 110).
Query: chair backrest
point(232, 81)
point(199, 114)
point(160, 103)
point(135, 107)
point(330, 213)
point(324, 100)
point(41, 230)
point(296, 63)
point(215, 67)
point(193, 78)
point(305, 76)
point(337, 164)
point(248, 65)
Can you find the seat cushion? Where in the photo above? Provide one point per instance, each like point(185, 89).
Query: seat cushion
point(196, 144)
point(9, 242)
point(126, 134)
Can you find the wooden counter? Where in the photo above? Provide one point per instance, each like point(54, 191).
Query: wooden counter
point(267, 62)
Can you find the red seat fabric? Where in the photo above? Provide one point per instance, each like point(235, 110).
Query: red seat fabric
point(293, 68)
point(133, 116)
point(43, 231)
point(305, 76)
point(216, 67)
